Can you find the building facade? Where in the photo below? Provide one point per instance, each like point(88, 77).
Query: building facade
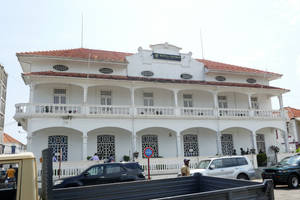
point(85, 101)
point(12, 145)
point(293, 127)
point(3, 84)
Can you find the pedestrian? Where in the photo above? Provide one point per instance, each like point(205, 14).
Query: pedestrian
point(111, 159)
point(10, 173)
point(54, 159)
point(95, 157)
point(185, 169)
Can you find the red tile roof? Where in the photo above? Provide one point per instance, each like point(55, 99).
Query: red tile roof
point(102, 55)
point(212, 65)
point(8, 139)
point(81, 53)
point(160, 80)
point(293, 112)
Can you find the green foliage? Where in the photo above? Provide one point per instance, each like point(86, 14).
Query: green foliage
point(298, 150)
point(126, 158)
point(261, 159)
point(89, 157)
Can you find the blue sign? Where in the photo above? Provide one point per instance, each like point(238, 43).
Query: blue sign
point(148, 152)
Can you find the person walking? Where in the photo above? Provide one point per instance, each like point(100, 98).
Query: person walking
point(10, 173)
point(95, 157)
point(185, 169)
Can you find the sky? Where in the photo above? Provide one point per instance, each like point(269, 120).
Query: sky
point(251, 33)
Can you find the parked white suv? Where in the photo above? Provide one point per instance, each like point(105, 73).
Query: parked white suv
point(234, 167)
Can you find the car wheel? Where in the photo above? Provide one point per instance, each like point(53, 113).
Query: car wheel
point(243, 177)
point(293, 181)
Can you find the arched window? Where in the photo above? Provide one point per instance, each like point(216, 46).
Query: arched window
point(106, 146)
point(59, 143)
point(190, 145)
point(150, 141)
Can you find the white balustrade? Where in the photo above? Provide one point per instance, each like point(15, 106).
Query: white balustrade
point(267, 113)
point(57, 109)
point(236, 113)
point(155, 111)
point(108, 110)
point(197, 112)
point(69, 109)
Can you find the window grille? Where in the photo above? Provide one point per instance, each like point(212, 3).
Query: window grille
point(150, 141)
point(106, 146)
point(227, 144)
point(57, 143)
point(190, 145)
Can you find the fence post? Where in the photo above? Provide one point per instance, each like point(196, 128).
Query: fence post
point(47, 174)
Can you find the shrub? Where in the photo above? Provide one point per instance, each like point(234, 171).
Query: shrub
point(89, 157)
point(298, 150)
point(126, 158)
point(261, 159)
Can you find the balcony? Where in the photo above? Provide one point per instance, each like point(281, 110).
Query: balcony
point(50, 110)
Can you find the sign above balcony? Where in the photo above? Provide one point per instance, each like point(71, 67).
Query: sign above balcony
point(166, 56)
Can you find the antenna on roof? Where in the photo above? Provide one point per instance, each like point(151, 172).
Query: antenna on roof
point(81, 30)
point(202, 50)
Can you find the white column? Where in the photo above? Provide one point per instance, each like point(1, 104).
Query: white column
point(254, 143)
point(29, 141)
point(177, 109)
point(280, 101)
point(218, 142)
point(84, 146)
point(178, 140)
point(249, 101)
point(286, 141)
point(134, 149)
point(132, 100)
point(31, 96)
point(85, 93)
point(216, 103)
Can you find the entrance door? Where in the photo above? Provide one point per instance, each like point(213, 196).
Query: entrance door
point(227, 144)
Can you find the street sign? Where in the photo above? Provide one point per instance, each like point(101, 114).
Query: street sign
point(148, 152)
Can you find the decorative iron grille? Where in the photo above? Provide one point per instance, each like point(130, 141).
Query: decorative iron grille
point(59, 143)
point(150, 141)
point(190, 145)
point(106, 146)
point(227, 144)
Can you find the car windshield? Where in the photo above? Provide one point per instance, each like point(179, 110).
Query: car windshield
point(290, 160)
point(203, 164)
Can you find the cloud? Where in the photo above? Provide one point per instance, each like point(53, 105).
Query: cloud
point(298, 65)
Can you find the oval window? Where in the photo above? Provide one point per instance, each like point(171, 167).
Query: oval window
point(220, 78)
point(147, 73)
point(251, 80)
point(106, 70)
point(186, 76)
point(60, 67)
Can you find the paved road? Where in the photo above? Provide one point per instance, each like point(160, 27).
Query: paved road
point(284, 193)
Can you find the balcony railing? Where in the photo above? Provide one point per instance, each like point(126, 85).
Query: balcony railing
point(128, 111)
point(108, 110)
point(155, 111)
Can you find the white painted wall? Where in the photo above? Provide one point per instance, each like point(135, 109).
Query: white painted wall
point(242, 78)
point(122, 141)
point(40, 141)
point(200, 98)
point(44, 93)
point(166, 143)
point(161, 97)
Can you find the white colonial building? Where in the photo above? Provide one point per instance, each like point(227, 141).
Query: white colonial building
point(87, 101)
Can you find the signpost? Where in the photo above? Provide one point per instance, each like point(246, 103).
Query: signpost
point(148, 152)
